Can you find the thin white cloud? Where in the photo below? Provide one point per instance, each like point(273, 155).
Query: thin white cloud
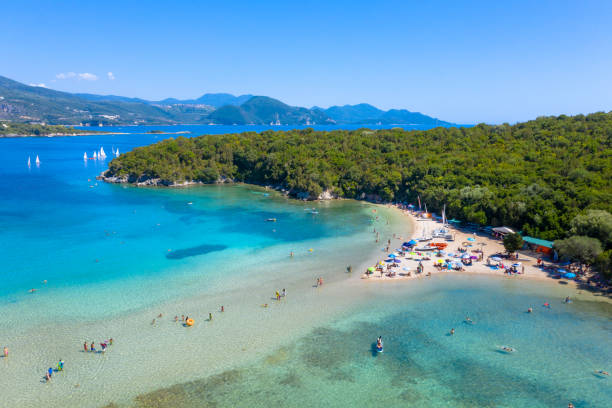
point(39, 85)
point(66, 75)
point(88, 77)
point(70, 75)
point(110, 76)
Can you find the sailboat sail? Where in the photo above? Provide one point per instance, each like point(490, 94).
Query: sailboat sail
point(37, 160)
point(95, 156)
point(102, 154)
point(29, 163)
point(117, 152)
point(444, 215)
point(85, 156)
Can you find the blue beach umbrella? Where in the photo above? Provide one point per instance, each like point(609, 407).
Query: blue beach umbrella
point(397, 260)
point(569, 275)
point(412, 242)
point(471, 239)
point(391, 255)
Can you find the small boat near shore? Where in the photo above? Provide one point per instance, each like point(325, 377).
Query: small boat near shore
point(425, 249)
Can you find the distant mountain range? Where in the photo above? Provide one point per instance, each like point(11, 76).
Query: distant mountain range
point(32, 104)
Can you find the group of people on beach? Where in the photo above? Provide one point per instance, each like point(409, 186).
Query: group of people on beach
point(281, 294)
point(50, 371)
point(91, 348)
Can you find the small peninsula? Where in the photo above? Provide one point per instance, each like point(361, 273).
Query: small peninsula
point(12, 129)
point(535, 176)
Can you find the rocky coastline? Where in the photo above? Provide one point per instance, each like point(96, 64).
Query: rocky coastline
point(144, 181)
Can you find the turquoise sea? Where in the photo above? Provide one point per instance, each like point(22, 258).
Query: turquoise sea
point(558, 350)
point(109, 250)
point(101, 243)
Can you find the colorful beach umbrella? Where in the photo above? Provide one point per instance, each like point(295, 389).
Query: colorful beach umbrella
point(471, 239)
point(569, 275)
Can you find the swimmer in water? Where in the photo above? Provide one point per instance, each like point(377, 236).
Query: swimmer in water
point(546, 305)
point(159, 316)
point(468, 320)
point(508, 349)
point(452, 331)
point(32, 290)
point(603, 372)
point(530, 310)
point(5, 352)
point(222, 309)
point(567, 299)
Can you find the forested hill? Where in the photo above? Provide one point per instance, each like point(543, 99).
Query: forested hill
point(535, 176)
point(11, 129)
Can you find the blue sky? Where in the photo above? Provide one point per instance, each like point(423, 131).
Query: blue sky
point(462, 61)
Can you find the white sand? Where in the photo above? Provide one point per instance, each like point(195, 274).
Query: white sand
point(491, 246)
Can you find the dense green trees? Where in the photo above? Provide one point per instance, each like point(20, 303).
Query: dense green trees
point(24, 129)
point(535, 176)
point(513, 242)
point(579, 248)
point(594, 223)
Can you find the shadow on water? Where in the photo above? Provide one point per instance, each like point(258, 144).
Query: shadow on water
point(374, 350)
point(194, 251)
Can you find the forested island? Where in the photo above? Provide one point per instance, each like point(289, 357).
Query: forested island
point(13, 129)
point(535, 176)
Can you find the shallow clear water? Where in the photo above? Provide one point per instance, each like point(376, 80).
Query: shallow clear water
point(558, 351)
point(106, 249)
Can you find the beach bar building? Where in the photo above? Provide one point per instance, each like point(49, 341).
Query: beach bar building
point(538, 245)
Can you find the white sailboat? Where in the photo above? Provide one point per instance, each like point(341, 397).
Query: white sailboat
point(85, 156)
point(117, 152)
point(29, 163)
point(102, 154)
point(95, 156)
point(37, 160)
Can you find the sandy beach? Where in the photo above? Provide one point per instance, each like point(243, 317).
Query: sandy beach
point(489, 246)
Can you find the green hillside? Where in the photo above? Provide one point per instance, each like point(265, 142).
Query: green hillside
point(25, 103)
point(8, 129)
point(535, 176)
point(31, 104)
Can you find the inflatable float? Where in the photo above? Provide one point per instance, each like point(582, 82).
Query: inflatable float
point(189, 322)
